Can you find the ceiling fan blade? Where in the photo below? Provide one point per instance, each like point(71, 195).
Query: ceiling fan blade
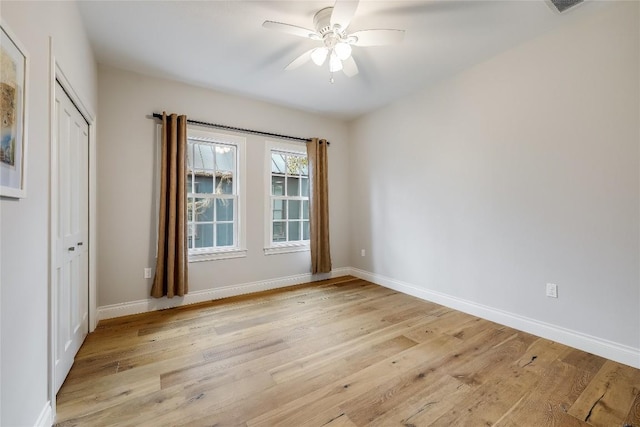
point(378, 37)
point(343, 12)
point(349, 67)
point(300, 60)
point(291, 29)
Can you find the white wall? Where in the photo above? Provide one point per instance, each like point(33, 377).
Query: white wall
point(24, 224)
point(520, 171)
point(126, 160)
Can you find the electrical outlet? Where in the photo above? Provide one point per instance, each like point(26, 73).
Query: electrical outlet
point(147, 273)
point(552, 290)
point(362, 252)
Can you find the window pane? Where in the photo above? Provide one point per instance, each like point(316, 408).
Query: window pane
point(225, 169)
point(203, 156)
point(224, 183)
point(224, 234)
point(294, 209)
point(304, 187)
point(224, 209)
point(277, 185)
point(189, 155)
point(305, 209)
point(279, 232)
point(278, 163)
point(201, 209)
point(293, 165)
point(204, 236)
point(305, 230)
point(293, 186)
point(294, 230)
point(203, 183)
point(279, 209)
point(225, 159)
point(304, 169)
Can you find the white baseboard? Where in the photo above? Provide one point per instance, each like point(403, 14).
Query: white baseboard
point(611, 350)
point(45, 419)
point(153, 304)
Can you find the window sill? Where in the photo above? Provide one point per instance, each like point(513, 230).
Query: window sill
point(285, 249)
point(217, 255)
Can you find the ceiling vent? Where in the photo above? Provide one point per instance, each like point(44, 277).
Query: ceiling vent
point(563, 5)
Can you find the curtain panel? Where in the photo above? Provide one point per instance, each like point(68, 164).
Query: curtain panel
point(319, 206)
point(171, 278)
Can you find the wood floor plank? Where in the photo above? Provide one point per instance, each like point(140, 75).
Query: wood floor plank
point(428, 403)
point(547, 403)
point(79, 403)
point(330, 418)
point(338, 353)
point(609, 396)
point(633, 417)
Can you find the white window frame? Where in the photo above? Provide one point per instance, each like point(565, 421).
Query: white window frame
point(240, 249)
point(271, 248)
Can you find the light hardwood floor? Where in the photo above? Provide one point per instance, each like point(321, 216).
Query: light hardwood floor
point(342, 352)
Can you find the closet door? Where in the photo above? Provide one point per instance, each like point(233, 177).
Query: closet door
point(71, 222)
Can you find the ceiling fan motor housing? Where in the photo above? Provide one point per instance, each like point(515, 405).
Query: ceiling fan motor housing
point(322, 21)
point(331, 36)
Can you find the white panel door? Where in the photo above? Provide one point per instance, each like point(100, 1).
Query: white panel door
point(71, 256)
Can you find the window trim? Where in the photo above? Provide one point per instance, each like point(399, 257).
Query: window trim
point(271, 248)
point(240, 249)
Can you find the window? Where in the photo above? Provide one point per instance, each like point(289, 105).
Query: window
point(287, 229)
point(215, 197)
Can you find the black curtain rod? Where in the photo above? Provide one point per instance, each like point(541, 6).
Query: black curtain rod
point(235, 129)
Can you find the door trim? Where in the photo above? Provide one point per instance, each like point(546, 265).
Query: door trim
point(56, 74)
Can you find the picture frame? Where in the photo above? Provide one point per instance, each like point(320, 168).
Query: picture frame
point(14, 77)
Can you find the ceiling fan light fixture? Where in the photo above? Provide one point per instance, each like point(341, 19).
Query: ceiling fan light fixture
point(334, 63)
point(343, 50)
point(319, 55)
point(330, 27)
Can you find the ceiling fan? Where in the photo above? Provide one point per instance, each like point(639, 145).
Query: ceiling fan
point(331, 24)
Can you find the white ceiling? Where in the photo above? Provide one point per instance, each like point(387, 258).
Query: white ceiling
point(222, 45)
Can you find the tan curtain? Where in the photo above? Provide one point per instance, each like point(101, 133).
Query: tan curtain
point(319, 206)
point(171, 268)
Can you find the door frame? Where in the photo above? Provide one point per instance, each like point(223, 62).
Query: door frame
point(56, 74)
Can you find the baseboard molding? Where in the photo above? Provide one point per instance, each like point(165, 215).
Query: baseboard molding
point(46, 416)
point(601, 347)
point(153, 304)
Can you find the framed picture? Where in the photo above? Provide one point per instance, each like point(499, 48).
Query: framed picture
point(13, 114)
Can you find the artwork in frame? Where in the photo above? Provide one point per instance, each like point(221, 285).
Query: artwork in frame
point(13, 115)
